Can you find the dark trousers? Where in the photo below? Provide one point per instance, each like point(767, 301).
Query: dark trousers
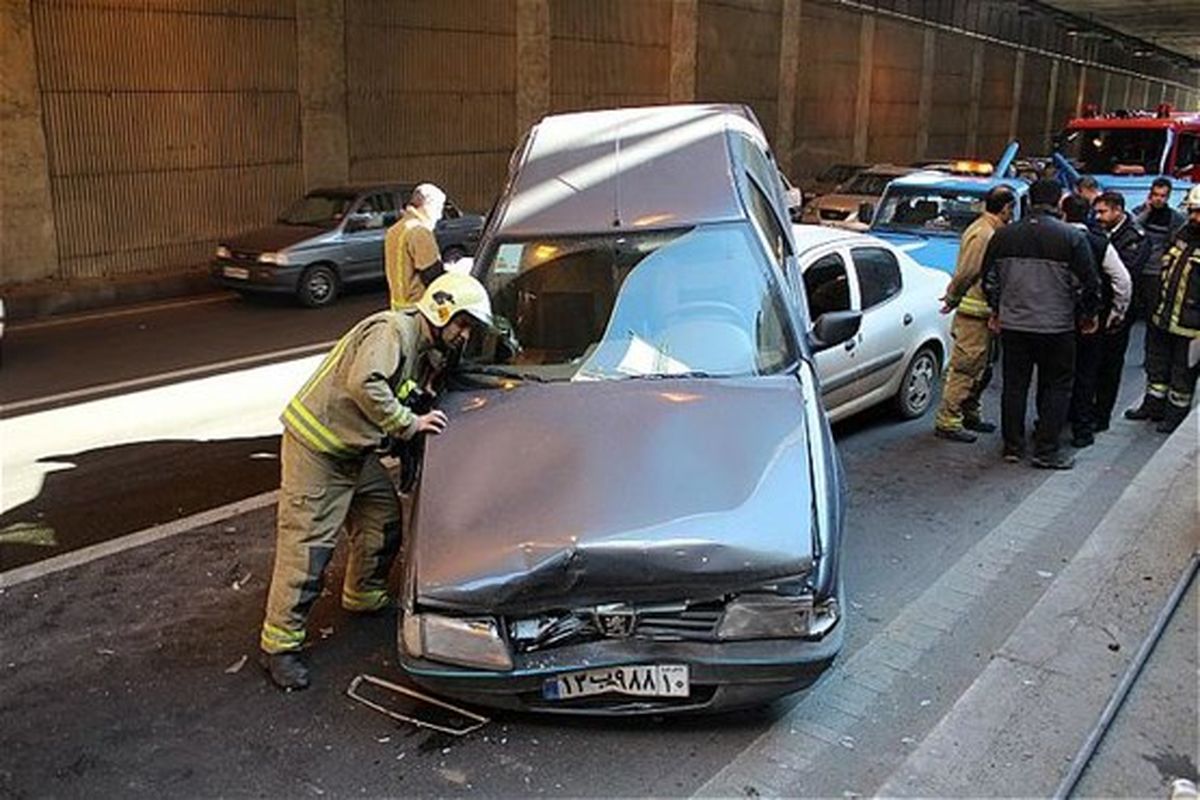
point(1099, 361)
point(1053, 355)
point(1167, 371)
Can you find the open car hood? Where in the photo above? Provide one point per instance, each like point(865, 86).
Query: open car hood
point(569, 494)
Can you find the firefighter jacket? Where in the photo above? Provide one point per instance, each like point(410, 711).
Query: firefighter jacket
point(965, 292)
point(1178, 309)
point(352, 403)
point(1039, 274)
point(411, 258)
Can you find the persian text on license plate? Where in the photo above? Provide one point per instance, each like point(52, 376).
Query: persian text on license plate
point(237, 272)
point(649, 680)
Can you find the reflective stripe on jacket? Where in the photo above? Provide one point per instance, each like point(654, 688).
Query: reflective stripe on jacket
point(1178, 309)
point(351, 402)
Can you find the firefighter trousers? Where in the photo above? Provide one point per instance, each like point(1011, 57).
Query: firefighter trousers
point(319, 494)
point(969, 372)
point(1168, 374)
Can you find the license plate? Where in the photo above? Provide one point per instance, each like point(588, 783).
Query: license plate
point(657, 680)
point(241, 273)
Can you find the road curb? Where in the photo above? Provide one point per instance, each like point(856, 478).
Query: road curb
point(33, 301)
point(1021, 722)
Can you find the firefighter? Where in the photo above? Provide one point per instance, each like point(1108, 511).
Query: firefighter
point(334, 430)
point(1173, 323)
point(971, 358)
point(411, 258)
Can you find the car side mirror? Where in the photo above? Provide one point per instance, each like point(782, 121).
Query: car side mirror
point(832, 328)
point(866, 211)
point(357, 222)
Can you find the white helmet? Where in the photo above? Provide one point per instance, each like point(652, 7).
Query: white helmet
point(452, 293)
point(1192, 201)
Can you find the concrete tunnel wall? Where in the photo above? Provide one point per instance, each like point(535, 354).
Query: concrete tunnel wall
point(134, 133)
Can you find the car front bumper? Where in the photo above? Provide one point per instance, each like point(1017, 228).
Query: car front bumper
point(255, 277)
point(723, 675)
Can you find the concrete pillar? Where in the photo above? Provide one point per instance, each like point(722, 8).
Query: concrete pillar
point(1080, 90)
point(1145, 94)
point(789, 68)
point(975, 99)
point(1014, 113)
point(321, 58)
point(862, 97)
point(1104, 87)
point(28, 239)
point(533, 62)
point(1051, 102)
point(683, 50)
point(1128, 91)
point(925, 95)
point(1162, 97)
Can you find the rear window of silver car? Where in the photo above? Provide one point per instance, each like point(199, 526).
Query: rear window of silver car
point(701, 301)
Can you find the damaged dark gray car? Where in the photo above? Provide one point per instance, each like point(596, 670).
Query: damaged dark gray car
point(638, 505)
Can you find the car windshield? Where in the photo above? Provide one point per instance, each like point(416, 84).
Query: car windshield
point(927, 211)
point(1121, 151)
point(838, 173)
point(867, 183)
point(699, 302)
point(320, 210)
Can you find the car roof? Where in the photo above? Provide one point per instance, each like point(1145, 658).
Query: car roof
point(355, 189)
point(627, 169)
point(809, 237)
point(957, 183)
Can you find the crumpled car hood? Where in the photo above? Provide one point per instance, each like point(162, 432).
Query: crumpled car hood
point(569, 494)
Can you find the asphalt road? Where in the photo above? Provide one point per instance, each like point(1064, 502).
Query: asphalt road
point(129, 675)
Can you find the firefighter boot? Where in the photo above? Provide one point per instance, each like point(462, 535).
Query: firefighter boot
point(1172, 418)
point(286, 670)
point(1152, 408)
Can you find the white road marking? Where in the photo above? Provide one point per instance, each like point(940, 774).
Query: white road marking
point(85, 555)
point(165, 377)
point(150, 308)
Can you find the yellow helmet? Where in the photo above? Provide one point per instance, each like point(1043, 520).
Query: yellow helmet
point(451, 294)
point(1192, 201)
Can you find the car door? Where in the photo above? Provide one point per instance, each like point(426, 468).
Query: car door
point(363, 233)
point(827, 287)
point(887, 321)
point(457, 233)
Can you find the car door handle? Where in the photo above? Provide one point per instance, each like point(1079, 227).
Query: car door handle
point(908, 319)
point(850, 344)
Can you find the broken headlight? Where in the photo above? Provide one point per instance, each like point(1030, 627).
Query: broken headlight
point(763, 616)
point(472, 642)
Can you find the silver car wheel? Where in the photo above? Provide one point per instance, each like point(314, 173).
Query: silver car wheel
point(919, 383)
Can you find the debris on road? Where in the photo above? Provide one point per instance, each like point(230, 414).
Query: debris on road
point(104, 651)
point(1045, 574)
point(240, 582)
point(473, 721)
point(237, 665)
point(30, 533)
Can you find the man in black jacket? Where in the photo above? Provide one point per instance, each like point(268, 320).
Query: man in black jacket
point(1159, 221)
point(1133, 247)
point(1040, 276)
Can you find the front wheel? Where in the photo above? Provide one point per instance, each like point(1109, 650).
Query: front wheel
point(318, 286)
point(918, 384)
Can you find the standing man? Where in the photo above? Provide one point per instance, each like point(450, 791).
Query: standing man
point(412, 259)
point(1134, 249)
point(1040, 277)
point(1090, 348)
point(1159, 221)
point(1173, 324)
point(970, 368)
point(334, 429)
point(1089, 189)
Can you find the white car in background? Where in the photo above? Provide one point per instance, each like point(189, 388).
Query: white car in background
point(904, 340)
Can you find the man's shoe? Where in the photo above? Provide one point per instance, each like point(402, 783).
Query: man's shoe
point(1172, 419)
point(1152, 408)
point(286, 670)
point(1082, 439)
point(955, 435)
point(1013, 455)
point(1055, 461)
point(979, 426)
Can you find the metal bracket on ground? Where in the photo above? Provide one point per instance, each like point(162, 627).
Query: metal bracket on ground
point(474, 721)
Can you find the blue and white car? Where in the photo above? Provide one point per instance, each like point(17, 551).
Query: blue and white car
point(924, 214)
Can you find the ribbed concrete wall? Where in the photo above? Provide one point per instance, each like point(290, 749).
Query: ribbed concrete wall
point(606, 53)
point(737, 55)
point(430, 93)
point(147, 109)
point(895, 90)
point(996, 100)
point(825, 91)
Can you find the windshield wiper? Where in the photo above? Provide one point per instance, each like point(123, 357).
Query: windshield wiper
point(666, 376)
point(500, 372)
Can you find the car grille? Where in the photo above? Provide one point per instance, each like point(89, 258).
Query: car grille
point(675, 622)
point(832, 214)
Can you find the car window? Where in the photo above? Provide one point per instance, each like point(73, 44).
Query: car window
point(932, 210)
point(1187, 153)
point(764, 219)
point(450, 211)
point(379, 208)
point(827, 286)
point(878, 275)
point(867, 183)
point(317, 209)
point(659, 303)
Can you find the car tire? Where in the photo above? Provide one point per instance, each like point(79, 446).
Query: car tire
point(453, 254)
point(318, 286)
point(919, 384)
